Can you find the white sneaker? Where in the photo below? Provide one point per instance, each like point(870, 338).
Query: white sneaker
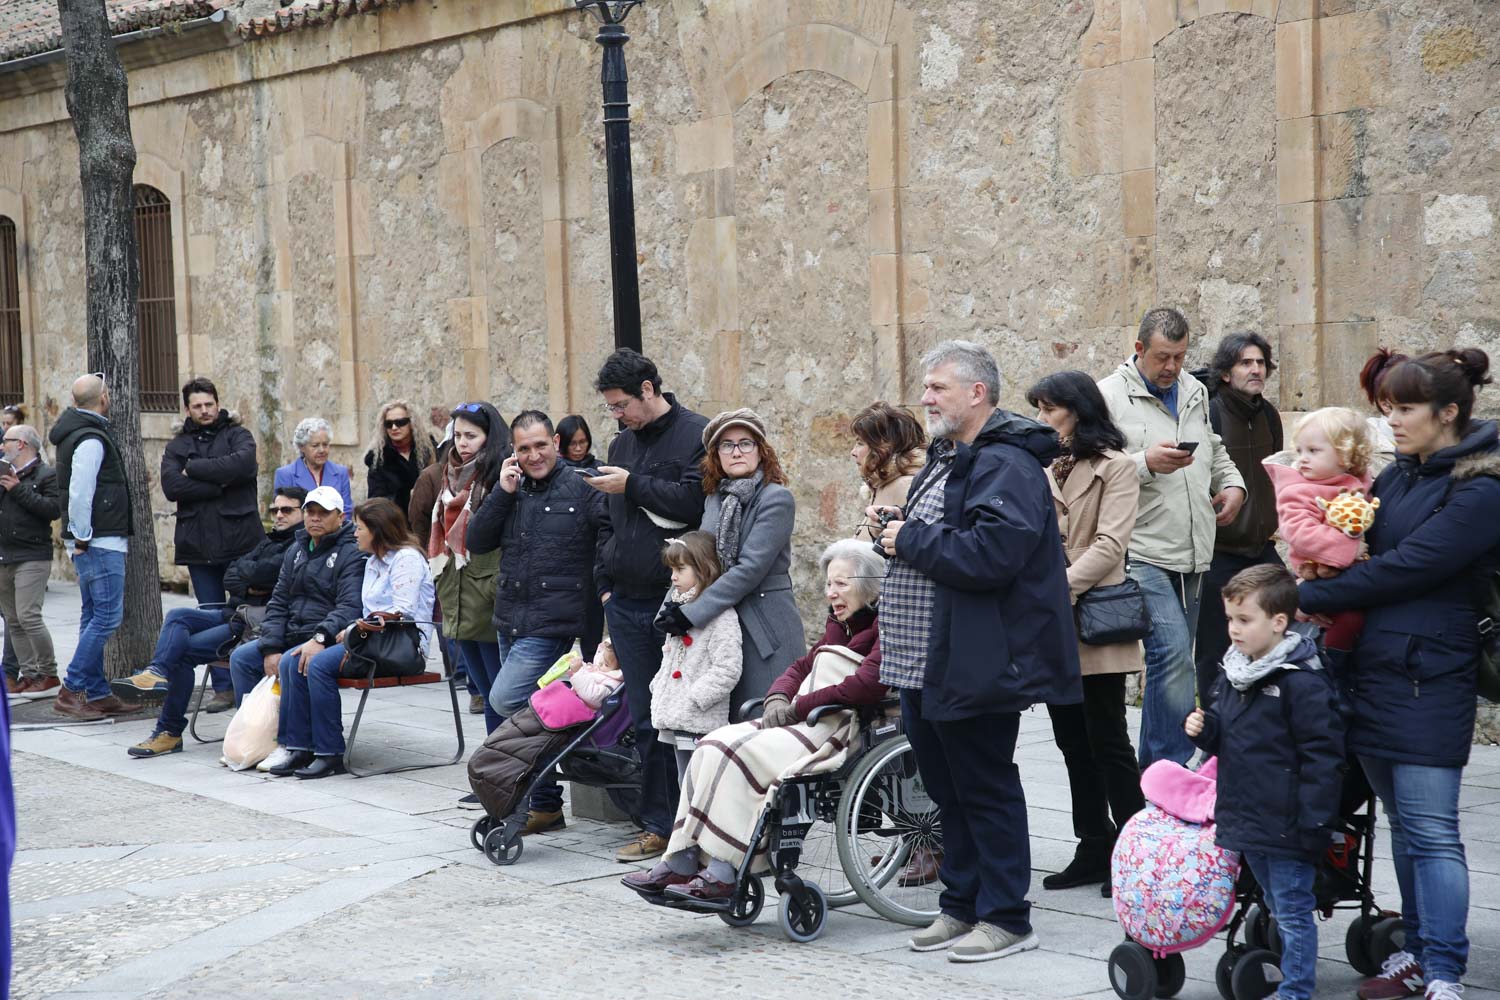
point(279, 756)
point(940, 933)
point(986, 942)
point(1441, 989)
point(223, 761)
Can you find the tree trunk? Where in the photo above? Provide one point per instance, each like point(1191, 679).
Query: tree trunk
point(98, 101)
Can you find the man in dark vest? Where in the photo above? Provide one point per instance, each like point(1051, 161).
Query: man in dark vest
point(1250, 428)
point(91, 476)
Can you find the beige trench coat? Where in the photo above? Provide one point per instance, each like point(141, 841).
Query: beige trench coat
point(1096, 511)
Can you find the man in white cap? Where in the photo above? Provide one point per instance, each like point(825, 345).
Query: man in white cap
point(317, 595)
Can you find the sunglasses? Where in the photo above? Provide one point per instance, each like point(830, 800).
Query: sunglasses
point(391, 425)
point(292, 509)
point(468, 408)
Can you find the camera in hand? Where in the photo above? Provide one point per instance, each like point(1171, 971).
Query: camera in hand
point(883, 517)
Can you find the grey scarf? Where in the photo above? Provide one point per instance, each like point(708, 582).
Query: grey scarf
point(734, 494)
point(1245, 674)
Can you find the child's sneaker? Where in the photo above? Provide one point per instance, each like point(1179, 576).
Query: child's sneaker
point(1399, 977)
point(1441, 989)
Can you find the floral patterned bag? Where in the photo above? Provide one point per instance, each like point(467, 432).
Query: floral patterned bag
point(1173, 886)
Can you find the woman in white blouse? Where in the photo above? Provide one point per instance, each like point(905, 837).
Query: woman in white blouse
point(396, 582)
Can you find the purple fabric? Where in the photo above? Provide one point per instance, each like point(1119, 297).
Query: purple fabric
point(7, 847)
point(609, 734)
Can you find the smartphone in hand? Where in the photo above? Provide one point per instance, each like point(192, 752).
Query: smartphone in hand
point(1187, 446)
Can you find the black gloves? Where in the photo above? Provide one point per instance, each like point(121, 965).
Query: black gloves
point(777, 711)
point(671, 620)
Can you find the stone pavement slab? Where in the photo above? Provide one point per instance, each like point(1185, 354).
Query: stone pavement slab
point(176, 878)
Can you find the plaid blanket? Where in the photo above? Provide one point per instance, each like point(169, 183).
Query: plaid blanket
point(736, 768)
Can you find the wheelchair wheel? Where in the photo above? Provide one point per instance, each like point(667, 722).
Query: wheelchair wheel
point(1132, 972)
point(1256, 975)
point(501, 851)
point(818, 859)
point(479, 831)
point(1171, 975)
point(747, 904)
point(890, 836)
point(803, 921)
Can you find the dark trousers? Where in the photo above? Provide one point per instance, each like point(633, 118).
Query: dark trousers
point(638, 646)
point(12, 662)
point(1103, 776)
point(189, 636)
point(481, 667)
point(969, 769)
point(1213, 628)
point(208, 588)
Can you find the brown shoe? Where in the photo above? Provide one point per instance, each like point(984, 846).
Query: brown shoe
point(643, 848)
point(647, 884)
point(74, 706)
point(1399, 977)
point(222, 701)
point(476, 704)
point(38, 685)
point(701, 889)
point(543, 822)
point(15, 685)
point(112, 705)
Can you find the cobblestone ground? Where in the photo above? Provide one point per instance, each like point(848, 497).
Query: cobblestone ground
point(175, 878)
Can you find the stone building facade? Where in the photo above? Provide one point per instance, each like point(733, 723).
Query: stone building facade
point(375, 198)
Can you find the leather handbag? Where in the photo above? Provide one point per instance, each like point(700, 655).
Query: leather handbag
point(389, 644)
point(1110, 614)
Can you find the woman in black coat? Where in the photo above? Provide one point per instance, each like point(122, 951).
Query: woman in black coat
point(397, 455)
point(1412, 685)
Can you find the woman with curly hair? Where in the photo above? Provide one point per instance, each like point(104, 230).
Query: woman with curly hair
point(889, 448)
point(397, 455)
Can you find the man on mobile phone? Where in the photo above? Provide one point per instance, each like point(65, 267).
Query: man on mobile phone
point(1185, 495)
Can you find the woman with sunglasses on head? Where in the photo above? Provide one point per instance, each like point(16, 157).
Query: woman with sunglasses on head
point(750, 513)
point(397, 455)
point(445, 497)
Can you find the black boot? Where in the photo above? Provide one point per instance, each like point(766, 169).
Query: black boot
point(1090, 866)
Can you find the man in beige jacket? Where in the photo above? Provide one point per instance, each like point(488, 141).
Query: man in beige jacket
point(1189, 486)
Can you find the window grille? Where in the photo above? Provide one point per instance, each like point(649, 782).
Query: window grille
point(156, 306)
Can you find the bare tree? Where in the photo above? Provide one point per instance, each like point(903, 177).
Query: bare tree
point(98, 102)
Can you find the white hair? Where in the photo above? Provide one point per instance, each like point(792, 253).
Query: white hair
point(972, 363)
point(308, 427)
point(869, 568)
point(29, 437)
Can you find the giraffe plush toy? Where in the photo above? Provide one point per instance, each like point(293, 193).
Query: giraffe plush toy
point(1350, 512)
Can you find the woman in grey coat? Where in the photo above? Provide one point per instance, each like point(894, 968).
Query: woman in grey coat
point(750, 513)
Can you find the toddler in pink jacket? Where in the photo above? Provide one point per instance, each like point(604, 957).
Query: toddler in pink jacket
point(1329, 459)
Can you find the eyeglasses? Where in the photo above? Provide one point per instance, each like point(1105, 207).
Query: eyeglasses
point(615, 409)
point(391, 425)
point(744, 447)
point(292, 509)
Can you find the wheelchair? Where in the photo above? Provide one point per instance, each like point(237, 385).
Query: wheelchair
point(841, 838)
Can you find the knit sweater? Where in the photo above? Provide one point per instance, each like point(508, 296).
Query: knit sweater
point(690, 693)
point(1304, 525)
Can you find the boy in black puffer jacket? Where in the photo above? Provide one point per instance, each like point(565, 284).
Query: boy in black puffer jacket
point(1275, 727)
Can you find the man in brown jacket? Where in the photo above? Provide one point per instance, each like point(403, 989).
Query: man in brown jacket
point(1250, 428)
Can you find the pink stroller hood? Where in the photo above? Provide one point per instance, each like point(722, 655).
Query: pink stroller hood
point(1188, 795)
point(1173, 886)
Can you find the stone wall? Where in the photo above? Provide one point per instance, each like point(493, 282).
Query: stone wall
point(413, 203)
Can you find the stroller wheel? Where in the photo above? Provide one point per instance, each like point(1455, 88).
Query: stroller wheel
point(1224, 972)
point(802, 921)
point(479, 831)
point(1132, 972)
point(1256, 975)
point(499, 849)
point(1357, 941)
point(747, 903)
point(1387, 937)
point(1171, 975)
point(1258, 926)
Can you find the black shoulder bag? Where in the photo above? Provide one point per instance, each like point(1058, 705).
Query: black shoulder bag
point(382, 646)
point(1109, 614)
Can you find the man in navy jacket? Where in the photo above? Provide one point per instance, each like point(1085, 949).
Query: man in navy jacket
point(975, 628)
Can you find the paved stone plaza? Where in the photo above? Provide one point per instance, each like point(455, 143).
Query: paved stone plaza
point(178, 878)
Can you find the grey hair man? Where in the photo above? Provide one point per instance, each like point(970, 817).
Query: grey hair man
point(1189, 484)
point(28, 506)
point(91, 473)
point(976, 628)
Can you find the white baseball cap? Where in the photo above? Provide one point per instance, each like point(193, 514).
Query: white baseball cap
point(326, 497)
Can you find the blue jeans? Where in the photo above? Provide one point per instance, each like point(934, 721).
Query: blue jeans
point(1421, 804)
point(1171, 682)
point(968, 767)
point(189, 636)
point(101, 584)
point(208, 588)
point(312, 713)
point(523, 661)
point(638, 647)
point(1287, 886)
point(481, 667)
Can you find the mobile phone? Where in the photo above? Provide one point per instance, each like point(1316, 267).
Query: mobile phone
point(1187, 446)
point(6, 468)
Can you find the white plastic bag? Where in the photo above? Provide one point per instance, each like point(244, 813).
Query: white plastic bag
point(252, 732)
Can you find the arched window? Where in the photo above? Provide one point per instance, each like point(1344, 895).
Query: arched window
point(156, 308)
point(12, 387)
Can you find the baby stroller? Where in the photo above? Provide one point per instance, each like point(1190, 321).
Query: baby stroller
point(555, 735)
point(1174, 889)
